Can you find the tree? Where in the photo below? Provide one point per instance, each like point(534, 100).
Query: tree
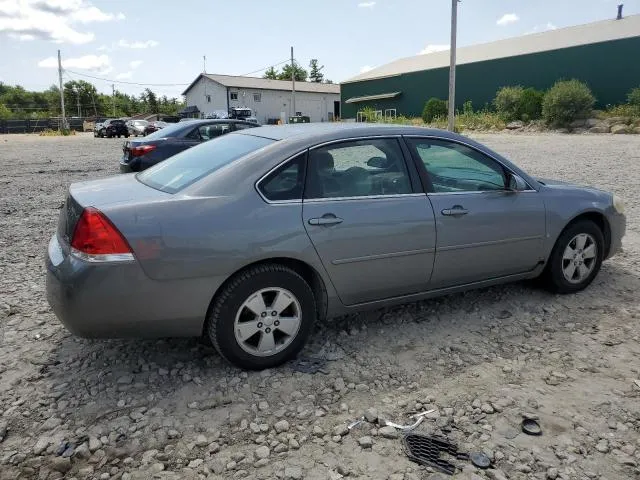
point(315, 73)
point(300, 73)
point(79, 91)
point(271, 73)
point(5, 113)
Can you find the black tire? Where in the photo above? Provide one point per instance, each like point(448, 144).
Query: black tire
point(221, 320)
point(554, 278)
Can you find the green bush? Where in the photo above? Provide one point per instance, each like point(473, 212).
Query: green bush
point(634, 98)
point(434, 108)
point(567, 101)
point(507, 102)
point(530, 104)
point(517, 103)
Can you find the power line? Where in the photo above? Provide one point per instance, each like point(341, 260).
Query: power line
point(129, 83)
point(265, 68)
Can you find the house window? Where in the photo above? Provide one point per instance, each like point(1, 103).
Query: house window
point(208, 98)
point(257, 97)
point(233, 95)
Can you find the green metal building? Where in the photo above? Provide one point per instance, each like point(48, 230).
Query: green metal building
point(605, 55)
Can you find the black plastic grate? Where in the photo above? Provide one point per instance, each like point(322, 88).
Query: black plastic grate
point(433, 451)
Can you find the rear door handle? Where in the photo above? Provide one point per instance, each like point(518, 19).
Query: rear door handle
point(456, 211)
point(327, 219)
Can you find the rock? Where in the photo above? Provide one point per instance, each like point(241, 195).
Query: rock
point(293, 473)
point(552, 473)
point(636, 130)
point(515, 125)
point(125, 380)
point(396, 476)
point(262, 452)
point(341, 430)
point(620, 128)
point(94, 444)
point(281, 426)
point(201, 441)
point(602, 446)
point(83, 451)
point(562, 130)
point(371, 415)
point(487, 408)
point(578, 123)
point(365, 442)
point(262, 406)
point(41, 445)
point(156, 468)
point(592, 122)
point(476, 403)
point(496, 474)
point(293, 443)
point(196, 463)
point(281, 447)
point(3, 430)
point(388, 432)
point(339, 384)
point(60, 464)
point(599, 129)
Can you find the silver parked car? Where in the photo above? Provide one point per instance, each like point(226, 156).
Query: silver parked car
point(252, 237)
point(137, 127)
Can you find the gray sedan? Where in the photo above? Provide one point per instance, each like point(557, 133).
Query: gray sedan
point(252, 237)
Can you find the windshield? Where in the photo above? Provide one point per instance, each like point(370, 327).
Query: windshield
point(188, 167)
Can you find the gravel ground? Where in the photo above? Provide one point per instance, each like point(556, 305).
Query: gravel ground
point(170, 409)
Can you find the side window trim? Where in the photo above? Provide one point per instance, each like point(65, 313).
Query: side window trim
point(424, 176)
point(416, 191)
point(283, 165)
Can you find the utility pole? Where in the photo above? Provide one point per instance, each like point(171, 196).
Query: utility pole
point(204, 64)
point(452, 65)
point(113, 94)
point(293, 84)
point(78, 101)
point(62, 125)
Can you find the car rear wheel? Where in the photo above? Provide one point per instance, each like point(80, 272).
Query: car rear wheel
point(263, 317)
point(576, 258)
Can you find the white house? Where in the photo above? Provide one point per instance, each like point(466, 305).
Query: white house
point(269, 99)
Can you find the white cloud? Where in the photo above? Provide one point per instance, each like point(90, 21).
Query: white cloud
point(100, 63)
point(433, 48)
point(543, 28)
point(120, 16)
point(52, 20)
point(104, 48)
point(148, 44)
point(366, 4)
point(124, 76)
point(507, 19)
point(366, 69)
point(135, 64)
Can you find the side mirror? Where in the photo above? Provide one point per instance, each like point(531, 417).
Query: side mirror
point(516, 183)
point(378, 162)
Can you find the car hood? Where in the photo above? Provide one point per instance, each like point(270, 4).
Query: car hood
point(561, 185)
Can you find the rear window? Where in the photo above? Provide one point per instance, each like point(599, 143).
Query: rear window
point(166, 131)
point(188, 167)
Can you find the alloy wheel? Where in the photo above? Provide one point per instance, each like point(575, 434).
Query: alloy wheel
point(579, 258)
point(268, 321)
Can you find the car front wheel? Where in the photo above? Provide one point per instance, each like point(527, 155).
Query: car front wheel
point(263, 317)
point(576, 258)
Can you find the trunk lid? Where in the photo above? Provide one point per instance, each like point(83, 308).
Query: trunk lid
point(101, 194)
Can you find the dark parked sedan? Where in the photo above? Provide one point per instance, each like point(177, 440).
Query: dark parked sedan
point(252, 237)
point(154, 127)
point(143, 153)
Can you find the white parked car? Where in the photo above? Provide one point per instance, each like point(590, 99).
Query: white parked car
point(136, 127)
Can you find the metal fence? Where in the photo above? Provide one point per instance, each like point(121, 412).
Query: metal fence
point(40, 124)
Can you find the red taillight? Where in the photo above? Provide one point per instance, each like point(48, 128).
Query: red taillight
point(141, 150)
point(96, 235)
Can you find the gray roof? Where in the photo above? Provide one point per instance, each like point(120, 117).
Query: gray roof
point(266, 84)
point(596, 32)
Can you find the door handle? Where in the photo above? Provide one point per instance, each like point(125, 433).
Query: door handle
point(456, 211)
point(328, 219)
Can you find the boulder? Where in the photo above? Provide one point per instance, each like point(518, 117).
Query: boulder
point(620, 128)
point(599, 129)
point(515, 125)
point(593, 122)
point(636, 130)
point(578, 123)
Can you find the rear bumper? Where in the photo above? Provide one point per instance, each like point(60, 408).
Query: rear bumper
point(126, 167)
point(118, 300)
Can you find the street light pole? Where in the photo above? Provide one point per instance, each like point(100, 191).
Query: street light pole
point(452, 65)
point(63, 124)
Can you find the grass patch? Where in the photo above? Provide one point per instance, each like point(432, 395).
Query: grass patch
point(57, 133)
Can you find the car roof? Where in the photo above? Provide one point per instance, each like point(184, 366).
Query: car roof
point(302, 131)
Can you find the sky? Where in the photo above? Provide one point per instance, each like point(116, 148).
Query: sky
point(163, 42)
